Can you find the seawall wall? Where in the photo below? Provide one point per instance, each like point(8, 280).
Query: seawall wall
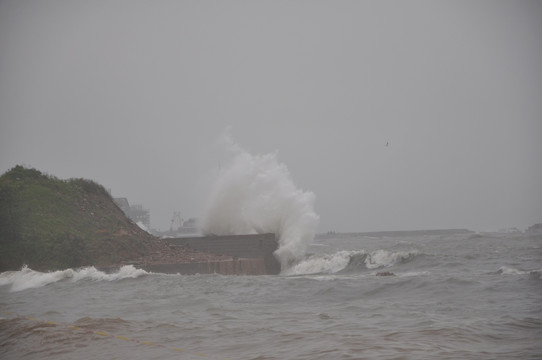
point(252, 255)
point(224, 267)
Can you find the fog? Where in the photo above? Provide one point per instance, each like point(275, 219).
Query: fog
point(395, 115)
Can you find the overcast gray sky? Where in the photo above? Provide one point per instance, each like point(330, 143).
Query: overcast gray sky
point(133, 94)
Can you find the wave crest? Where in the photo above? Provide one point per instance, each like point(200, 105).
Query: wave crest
point(505, 270)
point(327, 264)
point(383, 258)
point(350, 261)
point(27, 278)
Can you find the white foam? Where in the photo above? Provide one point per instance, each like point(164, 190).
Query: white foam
point(327, 264)
point(27, 278)
point(384, 258)
point(255, 194)
point(505, 270)
point(333, 263)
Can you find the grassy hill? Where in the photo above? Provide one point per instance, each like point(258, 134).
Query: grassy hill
point(48, 223)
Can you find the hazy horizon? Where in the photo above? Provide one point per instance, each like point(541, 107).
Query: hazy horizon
point(396, 115)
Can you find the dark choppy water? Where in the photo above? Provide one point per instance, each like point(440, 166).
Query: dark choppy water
point(454, 296)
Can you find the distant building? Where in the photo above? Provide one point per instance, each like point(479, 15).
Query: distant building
point(137, 213)
point(180, 227)
point(190, 226)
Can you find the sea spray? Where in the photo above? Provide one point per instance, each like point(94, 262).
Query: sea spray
point(255, 194)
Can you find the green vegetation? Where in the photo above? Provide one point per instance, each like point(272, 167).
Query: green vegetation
point(48, 224)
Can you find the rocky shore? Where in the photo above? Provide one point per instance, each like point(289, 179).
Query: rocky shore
point(51, 224)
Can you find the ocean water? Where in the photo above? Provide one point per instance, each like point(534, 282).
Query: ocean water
point(399, 296)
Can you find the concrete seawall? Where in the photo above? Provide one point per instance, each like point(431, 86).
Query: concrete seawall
point(252, 255)
point(224, 267)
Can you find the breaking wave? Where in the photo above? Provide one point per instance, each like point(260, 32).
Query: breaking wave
point(255, 194)
point(351, 261)
point(27, 278)
point(505, 270)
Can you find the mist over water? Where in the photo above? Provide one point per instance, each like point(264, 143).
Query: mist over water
point(255, 194)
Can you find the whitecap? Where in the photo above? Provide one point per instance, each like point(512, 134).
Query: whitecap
point(505, 270)
point(27, 278)
point(325, 264)
point(384, 258)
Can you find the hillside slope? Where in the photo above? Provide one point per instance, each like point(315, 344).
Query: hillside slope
point(48, 224)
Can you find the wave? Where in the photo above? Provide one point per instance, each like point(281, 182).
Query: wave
point(326, 264)
point(350, 261)
point(27, 278)
point(505, 270)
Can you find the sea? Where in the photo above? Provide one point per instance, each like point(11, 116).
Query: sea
point(401, 295)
